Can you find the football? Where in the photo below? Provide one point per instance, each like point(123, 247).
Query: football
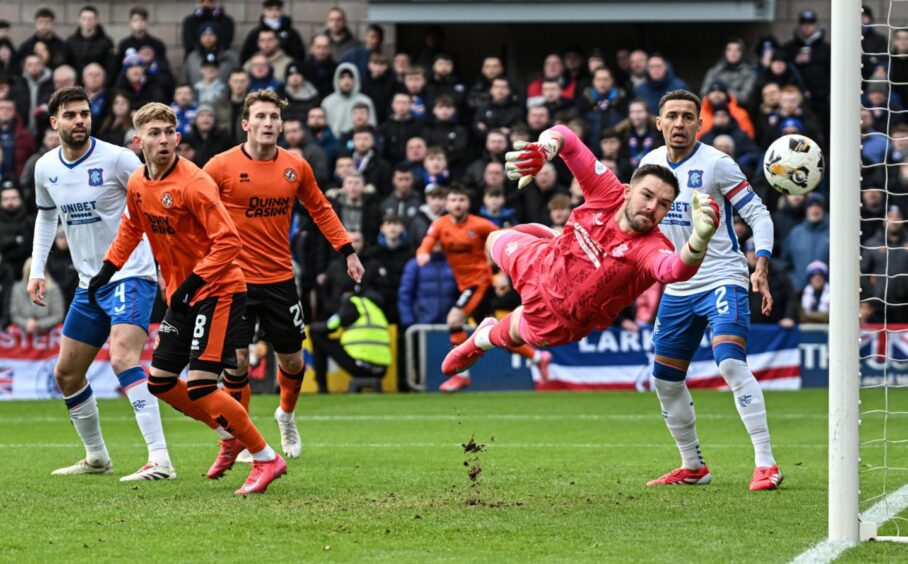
point(793, 164)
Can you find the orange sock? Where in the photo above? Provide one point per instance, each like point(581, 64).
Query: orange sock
point(237, 385)
point(458, 336)
point(174, 392)
point(227, 412)
point(290, 388)
point(526, 351)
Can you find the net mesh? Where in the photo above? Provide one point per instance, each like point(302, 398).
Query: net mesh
point(884, 271)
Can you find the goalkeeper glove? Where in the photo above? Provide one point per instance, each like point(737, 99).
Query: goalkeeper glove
point(704, 220)
point(100, 279)
point(182, 296)
point(528, 159)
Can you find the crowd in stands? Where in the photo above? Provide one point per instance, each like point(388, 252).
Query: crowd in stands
point(387, 133)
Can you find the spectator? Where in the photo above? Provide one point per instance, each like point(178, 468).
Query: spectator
point(538, 120)
point(479, 96)
point(611, 147)
point(30, 317)
point(359, 117)
point(375, 170)
point(660, 79)
point(532, 202)
point(89, 43)
point(808, 241)
point(143, 87)
point(885, 107)
point(767, 114)
point(209, 88)
point(815, 297)
point(270, 46)
point(874, 144)
point(444, 82)
point(745, 152)
point(898, 65)
point(444, 131)
point(204, 138)
point(637, 61)
point(427, 292)
point(501, 112)
point(553, 68)
point(274, 18)
point(493, 207)
point(379, 85)
point(399, 65)
point(639, 131)
point(185, 108)
point(7, 56)
point(733, 71)
point(261, 75)
point(780, 72)
point(415, 86)
point(209, 49)
point(317, 125)
point(301, 94)
point(554, 102)
point(228, 111)
point(342, 39)
point(811, 55)
point(493, 177)
point(399, 128)
point(295, 136)
point(207, 11)
point(603, 105)
point(873, 206)
point(885, 259)
point(496, 145)
point(333, 280)
point(373, 38)
point(61, 269)
point(791, 105)
point(7, 281)
point(346, 94)
point(436, 172)
point(385, 261)
point(94, 81)
point(719, 95)
point(403, 202)
point(16, 143)
point(16, 226)
point(113, 128)
point(32, 90)
point(44, 34)
point(594, 62)
point(50, 140)
point(320, 67)
point(559, 212)
point(138, 35)
point(575, 64)
point(415, 156)
point(355, 211)
point(157, 68)
point(784, 300)
point(429, 212)
point(873, 45)
point(364, 348)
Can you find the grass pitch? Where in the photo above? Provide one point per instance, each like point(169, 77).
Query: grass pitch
point(385, 478)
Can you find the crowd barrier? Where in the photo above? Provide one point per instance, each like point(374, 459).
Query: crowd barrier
point(614, 359)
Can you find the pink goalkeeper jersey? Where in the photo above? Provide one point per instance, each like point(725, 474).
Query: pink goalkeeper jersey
point(593, 270)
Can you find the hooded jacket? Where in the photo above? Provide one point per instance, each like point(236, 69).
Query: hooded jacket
point(338, 105)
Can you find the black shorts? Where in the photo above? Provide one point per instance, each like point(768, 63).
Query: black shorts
point(206, 340)
point(477, 301)
point(276, 307)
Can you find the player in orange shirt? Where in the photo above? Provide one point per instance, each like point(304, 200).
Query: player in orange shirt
point(259, 183)
point(195, 243)
point(463, 238)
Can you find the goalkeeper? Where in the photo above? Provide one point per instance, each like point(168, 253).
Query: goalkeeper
point(609, 253)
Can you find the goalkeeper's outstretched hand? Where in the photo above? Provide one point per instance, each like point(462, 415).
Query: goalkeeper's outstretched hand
point(527, 159)
point(704, 220)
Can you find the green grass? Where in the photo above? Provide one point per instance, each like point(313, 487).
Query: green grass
point(382, 478)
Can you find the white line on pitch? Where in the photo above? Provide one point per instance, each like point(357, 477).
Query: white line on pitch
point(566, 446)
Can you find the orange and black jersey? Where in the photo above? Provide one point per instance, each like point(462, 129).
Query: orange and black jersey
point(259, 195)
point(188, 228)
point(464, 244)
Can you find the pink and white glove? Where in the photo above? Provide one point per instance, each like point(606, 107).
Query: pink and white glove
point(527, 159)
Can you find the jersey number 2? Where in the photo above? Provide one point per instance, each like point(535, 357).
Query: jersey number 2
point(721, 302)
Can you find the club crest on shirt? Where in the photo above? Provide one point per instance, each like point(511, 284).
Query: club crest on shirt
point(290, 175)
point(166, 200)
point(695, 179)
point(620, 250)
point(471, 234)
point(95, 176)
point(599, 167)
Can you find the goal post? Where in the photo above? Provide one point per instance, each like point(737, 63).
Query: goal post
point(844, 270)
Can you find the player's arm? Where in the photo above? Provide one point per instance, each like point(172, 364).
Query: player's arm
point(329, 224)
point(670, 267)
point(424, 252)
point(43, 239)
point(129, 234)
point(750, 207)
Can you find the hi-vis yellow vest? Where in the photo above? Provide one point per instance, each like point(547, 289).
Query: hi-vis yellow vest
point(367, 339)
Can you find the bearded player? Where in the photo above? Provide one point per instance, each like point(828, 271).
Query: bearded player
point(463, 237)
point(259, 183)
point(84, 184)
point(196, 243)
point(717, 295)
point(609, 252)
